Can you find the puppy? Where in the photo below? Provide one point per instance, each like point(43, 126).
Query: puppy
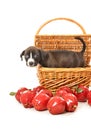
point(54, 58)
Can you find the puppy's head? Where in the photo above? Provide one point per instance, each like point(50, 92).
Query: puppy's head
point(31, 56)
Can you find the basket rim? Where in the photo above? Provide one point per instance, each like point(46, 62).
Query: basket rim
point(63, 35)
point(80, 69)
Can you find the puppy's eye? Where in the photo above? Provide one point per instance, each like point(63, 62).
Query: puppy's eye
point(35, 56)
point(26, 56)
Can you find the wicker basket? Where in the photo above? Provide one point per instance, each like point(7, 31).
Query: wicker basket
point(53, 78)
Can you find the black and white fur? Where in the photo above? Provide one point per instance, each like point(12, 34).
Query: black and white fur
point(54, 58)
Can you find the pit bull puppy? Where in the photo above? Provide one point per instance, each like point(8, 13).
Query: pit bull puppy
point(54, 58)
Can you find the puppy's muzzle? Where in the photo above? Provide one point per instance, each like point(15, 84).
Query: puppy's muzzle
point(31, 63)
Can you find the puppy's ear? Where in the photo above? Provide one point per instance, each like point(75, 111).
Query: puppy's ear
point(22, 54)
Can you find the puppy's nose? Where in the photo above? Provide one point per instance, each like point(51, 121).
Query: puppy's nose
point(31, 63)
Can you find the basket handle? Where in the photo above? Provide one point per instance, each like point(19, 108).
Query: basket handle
point(68, 19)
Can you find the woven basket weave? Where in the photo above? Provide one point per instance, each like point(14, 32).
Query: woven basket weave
point(53, 78)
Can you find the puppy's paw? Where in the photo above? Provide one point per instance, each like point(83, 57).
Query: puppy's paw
point(38, 66)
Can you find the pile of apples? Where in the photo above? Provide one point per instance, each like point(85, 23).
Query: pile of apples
point(63, 100)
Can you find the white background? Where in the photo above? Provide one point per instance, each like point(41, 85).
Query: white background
point(19, 21)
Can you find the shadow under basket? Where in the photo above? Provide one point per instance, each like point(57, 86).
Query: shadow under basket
point(53, 78)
